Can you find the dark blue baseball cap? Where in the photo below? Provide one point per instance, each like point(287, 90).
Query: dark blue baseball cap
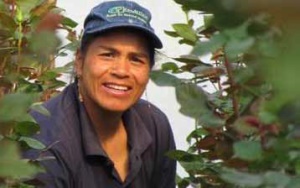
point(120, 14)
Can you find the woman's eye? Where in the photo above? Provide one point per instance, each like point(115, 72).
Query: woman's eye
point(137, 60)
point(107, 54)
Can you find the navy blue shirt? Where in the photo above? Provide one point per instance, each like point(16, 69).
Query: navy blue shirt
point(74, 158)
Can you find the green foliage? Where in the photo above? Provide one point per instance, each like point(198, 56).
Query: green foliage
point(248, 150)
point(186, 32)
point(247, 127)
point(29, 47)
point(12, 166)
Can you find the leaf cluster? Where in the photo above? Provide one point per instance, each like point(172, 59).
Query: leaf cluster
point(247, 125)
point(29, 46)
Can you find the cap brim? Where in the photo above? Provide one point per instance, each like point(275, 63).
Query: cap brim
point(155, 40)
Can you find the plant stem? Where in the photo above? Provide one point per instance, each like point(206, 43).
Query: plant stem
point(197, 139)
point(232, 83)
point(13, 10)
point(8, 48)
point(3, 65)
point(19, 47)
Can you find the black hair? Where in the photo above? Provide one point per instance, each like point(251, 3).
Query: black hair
point(89, 38)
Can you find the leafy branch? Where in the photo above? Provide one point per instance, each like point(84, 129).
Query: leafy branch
point(27, 76)
point(247, 127)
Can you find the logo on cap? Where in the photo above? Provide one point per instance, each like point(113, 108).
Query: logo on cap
point(121, 11)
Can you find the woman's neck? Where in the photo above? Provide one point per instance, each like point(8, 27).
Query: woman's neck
point(106, 123)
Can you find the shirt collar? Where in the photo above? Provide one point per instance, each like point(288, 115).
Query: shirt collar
point(90, 142)
point(139, 137)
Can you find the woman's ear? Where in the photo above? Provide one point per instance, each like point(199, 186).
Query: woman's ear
point(78, 63)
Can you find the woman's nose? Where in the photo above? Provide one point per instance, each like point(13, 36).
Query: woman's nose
point(120, 68)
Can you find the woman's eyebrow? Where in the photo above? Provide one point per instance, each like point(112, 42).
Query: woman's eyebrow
point(140, 54)
point(106, 47)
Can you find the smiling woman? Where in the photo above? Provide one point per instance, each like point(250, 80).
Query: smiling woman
point(165, 14)
point(100, 132)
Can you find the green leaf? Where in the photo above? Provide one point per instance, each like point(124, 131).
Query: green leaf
point(38, 41)
point(180, 155)
point(186, 32)
point(28, 87)
point(193, 166)
point(177, 154)
point(62, 54)
point(48, 75)
point(192, 59)
point(215, 43)
point(26, 6)
point(54, 84)
point(267, 47)
point(238, 32)
point(198, 133)
point(40, 108)
point(294, 183)
point(19, 16)
point(27, 128)
point(7, 22)
point(286, 65)
point(182, 182)
point(64, 69)
point(69, 22)
point(58, 10)
point(170, 66)
point(202, 5)
point(235, 47)
point(32, 143)
point(239, 40)
point(241, 178)
point(14, 107)
point(22, 185)
point(171, 34)
point(297, 167)
point(267, 117)
point(2, 6)
point(244, 128)
point(192, 100)
point(276, 179)
point(207, 19)
point(248, 150)
point(191, 22)
point(11, 166)
point(72, 46)
point(193, 103)
point(202, 70)
point(164, 79)
point(209, 120)
point(187, 42)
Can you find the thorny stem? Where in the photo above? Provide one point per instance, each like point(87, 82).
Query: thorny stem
point(8, 48)
point(219, 81)
point(187, 17)
point(197, 139)
point(233, 86)
point(20, 28)
point(13, 10)
point(196, 127)
point(3, 66)
point(13, 13)
point(19, 46)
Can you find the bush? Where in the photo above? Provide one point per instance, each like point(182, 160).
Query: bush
point(29, 46)
point(247, 129)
